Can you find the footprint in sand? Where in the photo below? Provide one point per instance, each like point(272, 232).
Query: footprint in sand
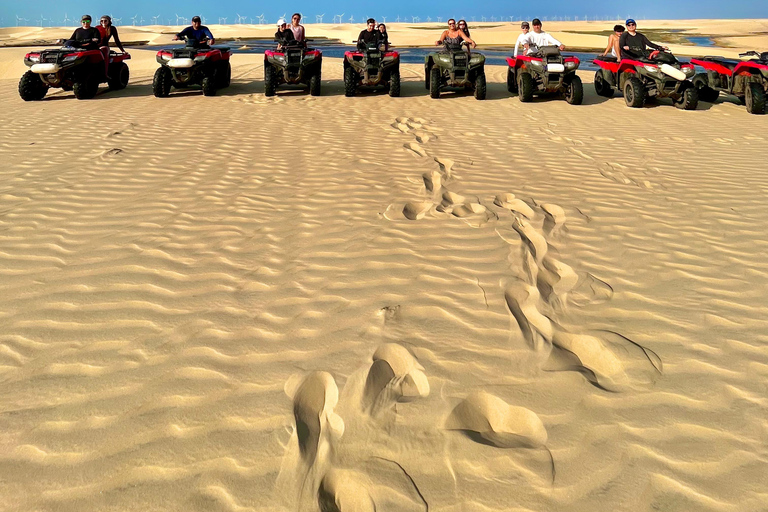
point(415, 148)
point(395, 376)
point(554, 218)
point(537, 330)
point(416, 211)
point(116, 133)
point(590, 290)
point(433, 181)
point(509, 202)
point(534, 240)
point(580, 154)
point(343, 490)
point(110, 153)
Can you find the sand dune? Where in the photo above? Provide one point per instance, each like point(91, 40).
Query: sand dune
point(327, 303)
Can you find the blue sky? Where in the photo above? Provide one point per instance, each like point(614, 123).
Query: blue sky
point(34, 10)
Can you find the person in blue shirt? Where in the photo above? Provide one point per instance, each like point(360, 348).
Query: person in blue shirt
point(197, 34)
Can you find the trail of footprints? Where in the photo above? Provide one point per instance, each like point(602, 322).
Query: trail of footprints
point(536, 299)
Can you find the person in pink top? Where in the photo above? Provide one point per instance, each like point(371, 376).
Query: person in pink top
point(296, 28)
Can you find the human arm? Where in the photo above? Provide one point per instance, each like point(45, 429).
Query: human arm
point(655, 46)
point(554, 42)
point(611, 44)
point(209, 35)
point(182, 34)
point(467, 39)
point(117, 39)
point(442, 38)
point(623, 40)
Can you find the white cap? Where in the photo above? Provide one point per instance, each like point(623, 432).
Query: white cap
point(281, 21)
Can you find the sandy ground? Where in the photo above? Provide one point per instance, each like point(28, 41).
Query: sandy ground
point(241, 303)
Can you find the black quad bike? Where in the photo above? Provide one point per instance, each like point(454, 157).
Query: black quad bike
point(72, 69)
point(294, 64)
point(746, 79)
point(369, 66)
point(543, 73)
point(195, 64)
point(455, 68)
point(645, 75)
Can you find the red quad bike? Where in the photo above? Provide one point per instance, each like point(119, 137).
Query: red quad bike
point(545, 72)
point(649, 75)
point(72, 69)
point(195, 64)
point(371, 67)
point(293, 65)
point(747, 80)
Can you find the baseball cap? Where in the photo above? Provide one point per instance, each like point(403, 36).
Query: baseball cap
point(536, 21)
point(195, 18)
point(525, 25)
point(281, 22)
point(86, 17)
point(630, 21)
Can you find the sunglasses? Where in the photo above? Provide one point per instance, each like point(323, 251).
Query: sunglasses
point(631, 24)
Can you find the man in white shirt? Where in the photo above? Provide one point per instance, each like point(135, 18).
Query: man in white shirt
point(522, 39)
point(538, 39)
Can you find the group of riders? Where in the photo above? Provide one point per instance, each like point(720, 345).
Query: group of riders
point(620, 43)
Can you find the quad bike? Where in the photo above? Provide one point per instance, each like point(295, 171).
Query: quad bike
point(294, 64)
point(455, 68)
point(747, 80)
point(545, 72)
point(195, 64)
point(657, 74)
point(370, 66)
point(72, 69)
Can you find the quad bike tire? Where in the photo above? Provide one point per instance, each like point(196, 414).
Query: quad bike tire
point(525, 87)
point(480, 86)
point(394, 83)
point(270, 80)
point(602, 86)
point(86, 88)
point(689, 99)
point(574, 91)
point(209, 85)
point(120, 74)
point(162, 82)
point(350, 82)
point(314, 83)
point(31, 87)
point(511, 82)
point(706, 93)
point(634, 92)
point(225, 74)
point(754, 98)
point(434, 82)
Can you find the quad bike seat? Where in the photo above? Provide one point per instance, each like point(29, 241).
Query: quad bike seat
point(607, 58)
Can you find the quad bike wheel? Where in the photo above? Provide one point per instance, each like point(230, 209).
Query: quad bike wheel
point(689, 100)
point(480, 88)
point(119, 74)
point(162, 81)
point(574, 91)
point(314, 83)
point(209, 85)
point(602, 86)
point(754, 98)
point(394, 83)
point(270, 80)
point(31, 87)
point(706, 93)
point(525, 87)
point(634, 92)
point(350, 82)
point(87, 88)
point(225, 74)
point(434, 82)
point(511, 82)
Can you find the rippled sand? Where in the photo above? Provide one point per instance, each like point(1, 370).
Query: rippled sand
point(297, 303)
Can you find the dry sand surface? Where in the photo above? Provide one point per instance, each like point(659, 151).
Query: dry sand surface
point(241, 303)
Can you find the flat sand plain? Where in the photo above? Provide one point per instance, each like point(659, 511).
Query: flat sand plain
point(241, 303)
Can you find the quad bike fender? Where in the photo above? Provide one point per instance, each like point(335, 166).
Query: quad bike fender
point(628, 66)
point(712, 66)
point(751, 68)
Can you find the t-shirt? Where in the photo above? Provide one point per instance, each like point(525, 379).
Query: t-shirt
point(372, 37)
point(86, 37)
point(521, 40)
point(635, 41)
point(285, 37)
point(536, 41)
point(197, 35)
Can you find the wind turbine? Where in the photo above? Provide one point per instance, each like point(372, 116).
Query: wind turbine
point(351, 19)
point(319, 18)
point(179, 18)
point(116, 20)
point(482, 18)
point(398, 19)
point(141, 21)
point(429, 19)
point(154, 19)
point(439, 19)
point(384, 18)
point(493, 18)
point(240, 19)
point(340, 16)
point(415, 19)
point(222, 21)
point(261, 19)
point(42, 20)
point(66, 19)
point(20, 19)
point(133, 19)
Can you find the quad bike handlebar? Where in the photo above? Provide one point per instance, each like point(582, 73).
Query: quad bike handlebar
point(753, 53)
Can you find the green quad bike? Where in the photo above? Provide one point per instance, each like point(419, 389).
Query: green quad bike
point(455, 68)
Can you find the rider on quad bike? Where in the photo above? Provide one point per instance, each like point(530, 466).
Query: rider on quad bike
point(642, 74)
point(454, 67)
point(545, 71)
point(291, 63)
point(195, 64)
point(747, 80)
point(78, 66)
point(369, 66)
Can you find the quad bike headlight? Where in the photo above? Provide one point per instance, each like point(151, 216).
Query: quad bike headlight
point(475, 59)
point(651, 69)
point(69, 58)
point(688, 70)
point(33, 58)
point(446, 59)
point(200, 58)
point(537, 65)
point(570, 66)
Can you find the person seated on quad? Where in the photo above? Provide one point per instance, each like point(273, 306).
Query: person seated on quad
point(633, 44)
point(538, 39)
point(613, 42)
point(462, 24)
point(454, 36)
point(369, 35)
point(384, 36)
point(107, 32)
point(522, 39)
point(283, 36)
point(298, 30)
point(85, 37)
point(196, 34)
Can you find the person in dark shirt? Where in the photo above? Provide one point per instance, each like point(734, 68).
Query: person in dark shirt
point(284, 36)
point(86, 37)
point(464, 28)
point(633, 44)
point(384, 36)
point(369, 36)
point(196, 34)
